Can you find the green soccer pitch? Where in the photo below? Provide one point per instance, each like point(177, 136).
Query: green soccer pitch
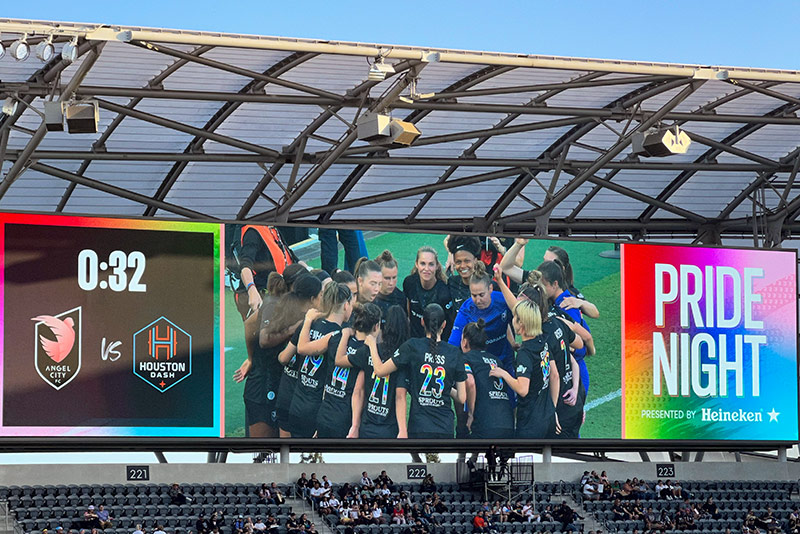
point(598, 278)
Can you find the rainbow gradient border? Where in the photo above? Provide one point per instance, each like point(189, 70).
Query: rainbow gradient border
point(128, 224)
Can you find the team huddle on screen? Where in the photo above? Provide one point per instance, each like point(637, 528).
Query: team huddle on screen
point(492, 351)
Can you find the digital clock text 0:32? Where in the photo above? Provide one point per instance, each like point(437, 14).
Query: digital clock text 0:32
point(91, 270)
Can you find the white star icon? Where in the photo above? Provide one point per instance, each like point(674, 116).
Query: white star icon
point(773, 415)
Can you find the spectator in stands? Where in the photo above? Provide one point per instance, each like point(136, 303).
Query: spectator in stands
point(666, 520)
point(479, 523)
point(530, 515)
point(591, 492)
point(276, 494)
point(345, 491)
point(159, 530)
point(316, 494)
point(216, 521)
point(176, 495)
point(238, 525)
point(585, 477)
point(663, 490)
point(398, 514)
point(620, 513)
point(272, 524)
point(292, 525)
point(516, 515)
point(417, 528)
point(90, 519)
point(651, 520)
point(383, 478)
point(566, 516)
point(377, 515)
point(794, 521)
point(104, 517)
point(259, 526)
point(428, 485)
point(302, 485)
point(201, 525)
point(138, 529)
point(491, 462)
point(711, 508)
point(366, 482)
point(768, 521)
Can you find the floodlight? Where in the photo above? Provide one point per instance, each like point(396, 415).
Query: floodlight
point(403, 132)
point(373, 126)
point(19, 49)
point(660, 142)
point(378, 70)
point(10, 106)
point(54, 116)
point(82, 117)
point(69, 52)
point(45, 50)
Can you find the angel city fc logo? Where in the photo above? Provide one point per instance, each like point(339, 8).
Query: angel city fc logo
point(162, 354)
point(57, 342)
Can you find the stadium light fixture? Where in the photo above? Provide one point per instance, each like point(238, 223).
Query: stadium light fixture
point(69, 52)
point(660, 142)
point(45, 50)
point(20, 50)
point(10, 106)
point(378, 70)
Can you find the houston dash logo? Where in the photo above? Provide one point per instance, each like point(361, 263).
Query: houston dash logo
point(57, 342)
point(162, 354)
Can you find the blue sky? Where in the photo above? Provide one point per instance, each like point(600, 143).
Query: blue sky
point(732, 33)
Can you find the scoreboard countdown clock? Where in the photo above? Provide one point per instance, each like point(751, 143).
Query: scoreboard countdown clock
point(111, 327)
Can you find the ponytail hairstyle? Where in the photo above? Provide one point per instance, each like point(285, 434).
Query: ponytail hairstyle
point(292, 305)
point(433, 317)
point(334, 297)
point(439, 270)
point(563, 257)
point(475, 334)
point(395, 330)
point(534, 291)
point(529, 316)
point(365, 266)
point(480, 275)
point(553, 273)
point(386, 260)
point(365, 317)
point(276, 284)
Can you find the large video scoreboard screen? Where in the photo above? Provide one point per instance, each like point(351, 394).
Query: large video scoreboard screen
point(166, 329)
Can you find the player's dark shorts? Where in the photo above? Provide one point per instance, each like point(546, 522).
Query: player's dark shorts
point(329, 432)
point(429, 435)
point(302, 427)
point(497, 433)
point(377, 431)
point(260, 412)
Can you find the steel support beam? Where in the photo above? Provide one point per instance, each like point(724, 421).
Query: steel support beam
point(384, 197)
point(156, 81)
point(160, 457)
point(237, 70)
point(218, 119)
point(702, 115)
point(118, 191)
point(561, 146)
point(24, 157)
point(388, 99)
point(185, 128)
point(612, 153)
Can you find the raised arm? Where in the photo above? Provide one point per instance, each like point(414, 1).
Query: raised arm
point(305, 345)
point(508, 263)
point(381, 368)
point(508, 296)
point(341, 351)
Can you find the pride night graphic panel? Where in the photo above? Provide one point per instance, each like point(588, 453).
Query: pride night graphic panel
point(709, 343)
point(110, 327)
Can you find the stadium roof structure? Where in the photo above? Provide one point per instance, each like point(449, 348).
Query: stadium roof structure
point(233, 127)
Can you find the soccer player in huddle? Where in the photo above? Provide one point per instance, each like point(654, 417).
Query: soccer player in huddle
point(432, 372)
